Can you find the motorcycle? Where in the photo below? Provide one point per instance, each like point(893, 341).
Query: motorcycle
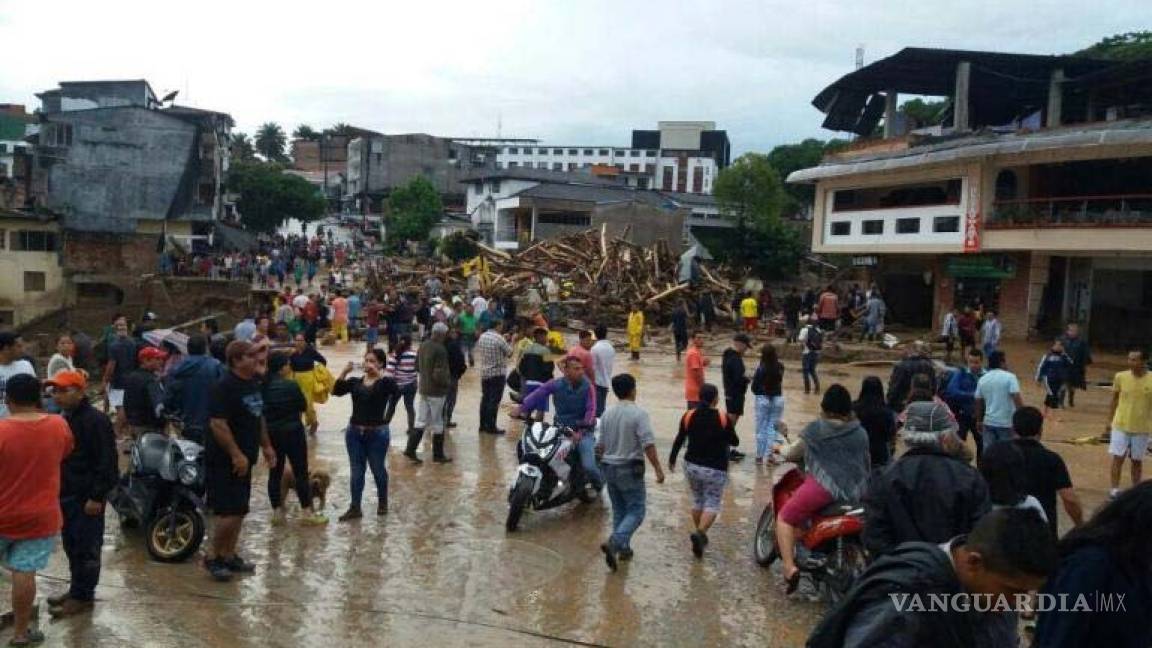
point(829, 550)
point(163, 492)
point(549, 474)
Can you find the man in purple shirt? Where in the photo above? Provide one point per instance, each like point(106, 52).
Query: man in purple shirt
point(574, 399)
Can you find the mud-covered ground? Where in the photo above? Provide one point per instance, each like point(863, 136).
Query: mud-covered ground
point(440, 570)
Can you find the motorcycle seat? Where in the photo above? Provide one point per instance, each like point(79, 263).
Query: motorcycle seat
point(836, 508)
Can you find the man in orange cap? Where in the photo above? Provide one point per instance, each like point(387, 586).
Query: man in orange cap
point(144, 394)
point(87, 475)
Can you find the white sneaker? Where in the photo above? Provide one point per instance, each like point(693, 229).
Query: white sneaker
point(1114, 493)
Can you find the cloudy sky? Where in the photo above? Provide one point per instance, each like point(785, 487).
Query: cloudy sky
point(567, 72)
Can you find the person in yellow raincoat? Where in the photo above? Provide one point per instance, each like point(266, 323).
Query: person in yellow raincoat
point(304, 359)
point(635, 330)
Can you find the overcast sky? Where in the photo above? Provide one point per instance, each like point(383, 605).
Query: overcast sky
point(566, 72)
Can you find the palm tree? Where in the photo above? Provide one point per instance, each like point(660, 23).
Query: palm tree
point(342, 129)
point(241, 147)
point(270, 142)
point(305, 132)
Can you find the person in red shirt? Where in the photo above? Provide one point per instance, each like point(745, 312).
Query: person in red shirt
point(694, 364)
point(584, 353)
point(828, 309)
point(32, 447)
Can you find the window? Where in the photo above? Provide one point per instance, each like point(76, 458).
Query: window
point(7, 318)
point(649, 153)
point(3, 169)
point(495, 186)
point(873, 227)
point(620, 166)
point(643, 183)
point(943, 192)
point(841, 228)
point(907, 225)
point(513, 151)
point(452, 154)
point(667, 182)
point(634, 153)
point(3, 148)
point(620, 153)
point(557, 166)
point(34, 281)
point(633, 167)
point(56, 135)
point(603, 151)
point(557, 151)
point(587, 151)
point(33, 241)
point(571, 166)
point(513, 165)
point(697, 180)
point(946, 224)
point(573, 152)
point(582, 220)
point(650, 169)
point(541, 165)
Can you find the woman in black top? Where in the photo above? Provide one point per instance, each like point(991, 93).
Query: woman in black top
point(710, 434)
point(367, 437)
point(768, 387)
point(877, 420)
point(284, 405)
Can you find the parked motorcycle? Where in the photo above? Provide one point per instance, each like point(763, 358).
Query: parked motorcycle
point(829, 550)
point(163, 493)
point(550, 473)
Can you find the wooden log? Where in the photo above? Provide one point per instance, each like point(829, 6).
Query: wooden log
point(667, 293)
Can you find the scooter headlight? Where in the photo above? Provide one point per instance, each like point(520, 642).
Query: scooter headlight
point(188, 473)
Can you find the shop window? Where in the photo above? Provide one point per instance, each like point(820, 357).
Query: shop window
point(928, 194)
point(907, 225)
point(1006, 185)
point(873, 227)
point(35, 281)
point(945, 224)
point(841, 228)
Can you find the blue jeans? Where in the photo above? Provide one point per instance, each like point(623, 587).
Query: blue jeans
point(996, 434)
point(808, 363)
point(625, 484)
point(587, 450)
point(368, 449)
point(988, 349)
point(82, 537)
point(769, 409)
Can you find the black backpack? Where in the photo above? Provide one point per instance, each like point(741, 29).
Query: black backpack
point(815, 339)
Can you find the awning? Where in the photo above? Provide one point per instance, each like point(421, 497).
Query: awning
point(980, 267)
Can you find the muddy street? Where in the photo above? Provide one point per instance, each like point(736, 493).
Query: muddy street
point(439, 568)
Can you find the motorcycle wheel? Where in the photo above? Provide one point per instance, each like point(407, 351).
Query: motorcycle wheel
point(175, 535)
point(517, 500)
point(846, 570)
point(764, 542)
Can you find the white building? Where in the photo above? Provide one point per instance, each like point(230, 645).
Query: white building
point(679, 156)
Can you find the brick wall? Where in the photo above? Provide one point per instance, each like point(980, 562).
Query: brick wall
point(110, 254)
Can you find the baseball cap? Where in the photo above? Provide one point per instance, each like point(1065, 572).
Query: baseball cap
point(68, 380)
point(151, 353)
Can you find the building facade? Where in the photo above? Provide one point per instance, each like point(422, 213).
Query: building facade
point(379, 164)
point(1031, 202)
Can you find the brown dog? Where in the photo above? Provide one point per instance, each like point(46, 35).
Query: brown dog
point(318, 481)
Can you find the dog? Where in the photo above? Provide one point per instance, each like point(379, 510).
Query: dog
point(318, 480)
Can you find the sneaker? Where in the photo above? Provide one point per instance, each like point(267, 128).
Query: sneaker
point(70, 607)
point(624, 554)
point(31, 638)
point(315, 519)
point(451, 424)
point(218, 570)
point(54, 601)
point(279, 517)
point(382, 509)
point(413, 457)
point(609, 555)
point(353, 513)
point(238, 565)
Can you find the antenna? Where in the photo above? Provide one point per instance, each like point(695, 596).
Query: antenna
point(499, 125)
point(860, 56)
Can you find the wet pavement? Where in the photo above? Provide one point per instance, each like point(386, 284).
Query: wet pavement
point(440, 570)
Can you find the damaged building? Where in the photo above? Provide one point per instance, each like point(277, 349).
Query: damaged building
point(115, 177)
point(1030, 195)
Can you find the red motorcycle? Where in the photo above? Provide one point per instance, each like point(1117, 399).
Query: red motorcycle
point(829, 550)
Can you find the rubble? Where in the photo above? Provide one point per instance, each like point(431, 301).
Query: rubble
point(600, 277)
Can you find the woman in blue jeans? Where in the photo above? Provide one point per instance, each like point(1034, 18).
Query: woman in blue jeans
point(367, 437)
point(767, 386)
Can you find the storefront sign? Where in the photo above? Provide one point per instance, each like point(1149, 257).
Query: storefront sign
point(865, 261)
point(972, 218)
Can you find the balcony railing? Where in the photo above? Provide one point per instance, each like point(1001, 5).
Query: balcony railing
point(1120, 210)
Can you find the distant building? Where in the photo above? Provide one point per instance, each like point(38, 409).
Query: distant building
point(323, 161)
point(14, 127)
point(678, 156)
point(1029, 197)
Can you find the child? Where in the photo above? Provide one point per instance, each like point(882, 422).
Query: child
point(1053, 375)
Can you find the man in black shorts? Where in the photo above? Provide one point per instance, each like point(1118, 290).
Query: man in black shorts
point(735, 380)
point(238, 435)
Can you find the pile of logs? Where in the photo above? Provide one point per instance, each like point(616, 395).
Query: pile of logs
point(600, 277)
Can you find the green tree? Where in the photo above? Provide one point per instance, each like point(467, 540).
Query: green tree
point(271, 142)
point(1130, 46)
point(459, 246)
point(241, 148)
point(413, 211)
point(342, 129)
point(269, 197)
point(305, 132)
point(920, 113)
point(750, 192)
point(787, 158)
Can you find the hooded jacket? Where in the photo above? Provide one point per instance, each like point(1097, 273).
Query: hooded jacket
point(868, 616)
point(189, 386)
point(927, 495)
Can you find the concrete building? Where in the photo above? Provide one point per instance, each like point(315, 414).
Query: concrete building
point(379, 164)
point(1031, 197)
point(678, 156)
point(513, 207)
point(31, 274)
point(15, 125)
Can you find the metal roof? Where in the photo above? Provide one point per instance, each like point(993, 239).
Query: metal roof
point(986, 144)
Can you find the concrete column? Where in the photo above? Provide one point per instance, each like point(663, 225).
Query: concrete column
point(960, 117)
point(1055, 98)
point(891, 98)
point(532, 230)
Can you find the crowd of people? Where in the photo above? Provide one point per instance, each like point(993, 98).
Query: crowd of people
point(976, 522)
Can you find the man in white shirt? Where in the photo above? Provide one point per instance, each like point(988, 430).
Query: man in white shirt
point(12, 363)
point(479, 304)
point(603, 357)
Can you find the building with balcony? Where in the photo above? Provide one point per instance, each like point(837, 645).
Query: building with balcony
point(678, 156)
point(1031, 197)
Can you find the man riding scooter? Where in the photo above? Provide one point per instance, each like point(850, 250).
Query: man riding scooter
point(574, 400)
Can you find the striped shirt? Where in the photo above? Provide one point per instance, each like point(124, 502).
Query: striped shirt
point(402, 369)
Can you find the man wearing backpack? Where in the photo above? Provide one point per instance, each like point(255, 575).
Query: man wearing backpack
point(813, 340)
